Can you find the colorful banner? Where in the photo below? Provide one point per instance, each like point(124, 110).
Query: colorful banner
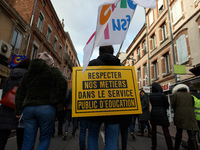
point(112, 25)
point(105, 90)
point(16, 59)
point(114, 17)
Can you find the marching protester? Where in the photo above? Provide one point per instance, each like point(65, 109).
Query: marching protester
point(69, 116)
point(158, 115)
point(132, 125)
point(84, 123)
point(41, 88)
point(184, 116)
point(145, 116)
point(123, 129)
point(60, 115)
point(196, 97)
point(111, 122)
point(8, 120)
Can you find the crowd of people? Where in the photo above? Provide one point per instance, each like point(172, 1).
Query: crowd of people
point(42, 98)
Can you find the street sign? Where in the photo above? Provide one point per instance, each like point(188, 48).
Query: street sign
point(16, 59)
point(179, 69)
point(165, 86)
point(105, 90)
point(147, 89)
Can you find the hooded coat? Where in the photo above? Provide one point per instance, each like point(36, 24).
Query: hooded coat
point(8, 120)
point(183, 105)
point(41, 85)
point(159, 104)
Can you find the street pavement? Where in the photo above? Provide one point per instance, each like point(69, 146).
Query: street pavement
point(57, 143)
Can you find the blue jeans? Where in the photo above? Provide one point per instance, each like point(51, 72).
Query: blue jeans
point(132, 125)
point(35, 117)
point(111, 135)
point(83, 128)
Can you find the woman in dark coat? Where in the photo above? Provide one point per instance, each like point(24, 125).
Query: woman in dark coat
point(145, 116)
point(158, 115)
point(8, 121)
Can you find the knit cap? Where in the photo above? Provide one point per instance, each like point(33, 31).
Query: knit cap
point(49, 60)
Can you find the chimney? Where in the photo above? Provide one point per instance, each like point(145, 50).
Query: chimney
point(63, 23)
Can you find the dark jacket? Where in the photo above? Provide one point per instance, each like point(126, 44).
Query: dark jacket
point(41, 85)
point(145, 108)
point(7, 118)
point(159, 103)
point(69, 99)
point(183, 105)
point(106, 59)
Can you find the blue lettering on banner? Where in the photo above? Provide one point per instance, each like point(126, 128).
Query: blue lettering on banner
point(121, 24)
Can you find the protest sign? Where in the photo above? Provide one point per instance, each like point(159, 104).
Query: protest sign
point(105, 90)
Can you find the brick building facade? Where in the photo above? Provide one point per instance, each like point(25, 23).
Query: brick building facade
point(154, 50)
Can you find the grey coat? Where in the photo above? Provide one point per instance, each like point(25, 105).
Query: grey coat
point(145, 116)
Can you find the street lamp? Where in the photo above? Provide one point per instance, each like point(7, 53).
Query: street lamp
point(131, 58)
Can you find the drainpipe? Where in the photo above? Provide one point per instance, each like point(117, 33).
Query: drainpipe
point(147, 48)
point(172, 42)
point(31, 23)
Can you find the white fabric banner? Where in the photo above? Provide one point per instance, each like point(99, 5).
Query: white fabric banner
point(146, 3)
point(114, 17)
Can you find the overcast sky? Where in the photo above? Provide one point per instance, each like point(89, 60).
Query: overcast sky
point(80, 17)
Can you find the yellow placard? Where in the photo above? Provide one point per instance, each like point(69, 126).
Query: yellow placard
point(105, 90)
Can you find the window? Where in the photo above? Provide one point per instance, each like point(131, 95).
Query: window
point(196, 1)
point(35, 49)
point(138, 53)
point(144, 47)
point(60, 50)
point(49, 32)
point(64, 70)
point(66, 48)
point(139, 77)
point(182, 50)
point(153, 42)
point(40, 21)
point(55, 43)
point(67, 74)
point(160, 6)
point(177, 11)
point(16, 41)
point(44, 3)
point(167, 63)
point(163, 32)
point(150, 18)
point(145, 74)
point(155, 66)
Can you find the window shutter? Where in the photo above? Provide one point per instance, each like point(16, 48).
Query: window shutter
point(160, 33)
point(143, 73)
point(150, 18)
point(163, 64)
point(182, 51)
point(152, 71)
point(177, 11)
point(151, 44)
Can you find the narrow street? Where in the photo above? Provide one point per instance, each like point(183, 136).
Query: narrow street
point(57, 143)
